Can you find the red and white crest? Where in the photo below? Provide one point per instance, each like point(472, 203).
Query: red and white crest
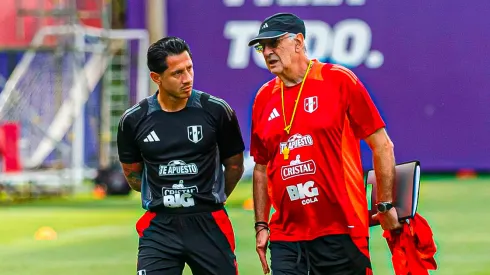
point(311, 104)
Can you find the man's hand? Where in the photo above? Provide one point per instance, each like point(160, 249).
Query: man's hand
point(262, 240)
point(262, 207)
point(388, 220)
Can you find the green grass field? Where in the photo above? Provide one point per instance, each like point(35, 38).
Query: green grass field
point(98, 237)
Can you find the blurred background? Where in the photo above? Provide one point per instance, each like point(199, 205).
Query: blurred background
point(70, 68)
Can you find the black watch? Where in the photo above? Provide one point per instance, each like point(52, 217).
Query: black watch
point(384, 206)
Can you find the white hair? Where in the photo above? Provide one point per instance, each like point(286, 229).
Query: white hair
point(291, 36)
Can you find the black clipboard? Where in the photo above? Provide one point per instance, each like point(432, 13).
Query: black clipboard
point(405, 191)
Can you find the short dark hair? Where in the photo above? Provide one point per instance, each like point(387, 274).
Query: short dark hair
point(160, 50)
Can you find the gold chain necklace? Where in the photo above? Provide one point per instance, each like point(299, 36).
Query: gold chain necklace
point(287, 128)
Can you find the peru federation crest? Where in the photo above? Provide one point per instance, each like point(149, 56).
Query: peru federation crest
point(311, 104)
point(194, 133)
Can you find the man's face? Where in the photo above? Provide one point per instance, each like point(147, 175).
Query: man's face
point(278, 52)
point(178, 78)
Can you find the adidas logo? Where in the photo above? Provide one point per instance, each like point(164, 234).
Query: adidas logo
point(152, 137)
point(273, 114)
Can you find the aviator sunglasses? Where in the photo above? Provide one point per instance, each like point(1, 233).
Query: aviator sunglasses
point(272, 43)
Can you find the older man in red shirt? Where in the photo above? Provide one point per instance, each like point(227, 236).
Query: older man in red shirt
point(307, 124)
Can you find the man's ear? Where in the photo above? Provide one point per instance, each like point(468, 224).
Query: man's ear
point(300, 42)
point(156, 78)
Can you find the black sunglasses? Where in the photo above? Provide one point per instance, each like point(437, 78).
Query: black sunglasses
point(272, 43)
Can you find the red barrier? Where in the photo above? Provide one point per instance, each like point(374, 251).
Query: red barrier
point(9, 147)
point(2, 145)
point(22, 28)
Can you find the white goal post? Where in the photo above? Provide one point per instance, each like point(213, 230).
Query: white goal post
point(45, 126)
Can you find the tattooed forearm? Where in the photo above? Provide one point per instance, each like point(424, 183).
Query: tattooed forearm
point(133, 172)
point(233, 172)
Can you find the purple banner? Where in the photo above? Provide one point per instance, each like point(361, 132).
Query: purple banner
point(422, 61)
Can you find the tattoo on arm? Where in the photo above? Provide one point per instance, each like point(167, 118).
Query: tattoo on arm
point(233, 172)
point(133, 173)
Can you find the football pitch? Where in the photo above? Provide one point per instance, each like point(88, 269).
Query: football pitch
point(97, 237)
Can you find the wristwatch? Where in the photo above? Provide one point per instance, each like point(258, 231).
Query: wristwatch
point(384, 206)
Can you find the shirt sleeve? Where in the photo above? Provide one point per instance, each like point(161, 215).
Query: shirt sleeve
point(230, 140)
point(363, 114)
point(257, 149)
point(127, 147)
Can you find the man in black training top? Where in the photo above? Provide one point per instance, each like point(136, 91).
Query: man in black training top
point(172, 146)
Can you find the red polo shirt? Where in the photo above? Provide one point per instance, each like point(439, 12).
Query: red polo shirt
point(319, 188)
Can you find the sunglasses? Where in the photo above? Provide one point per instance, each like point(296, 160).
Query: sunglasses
point(271, 43)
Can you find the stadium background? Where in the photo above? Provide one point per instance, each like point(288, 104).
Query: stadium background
point(423, 63)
